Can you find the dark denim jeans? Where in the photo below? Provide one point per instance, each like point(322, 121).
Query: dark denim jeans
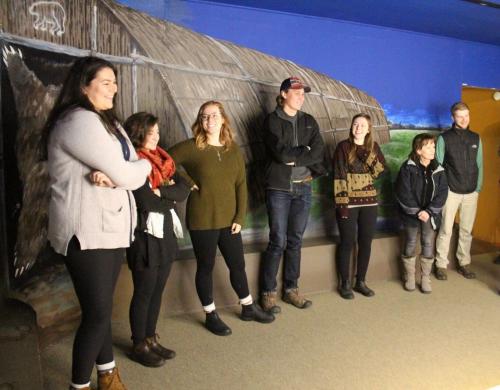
point(288, 212)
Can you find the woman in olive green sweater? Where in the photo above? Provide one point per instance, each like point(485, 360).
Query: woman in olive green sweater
point(216, 210)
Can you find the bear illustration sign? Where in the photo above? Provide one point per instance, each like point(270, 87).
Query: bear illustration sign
point(49, 15)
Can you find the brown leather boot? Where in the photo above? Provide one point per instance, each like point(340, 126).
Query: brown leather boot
point(143, 353)
point(268, 302)
point(159, 349)
point(83, 388)
point(110, 380)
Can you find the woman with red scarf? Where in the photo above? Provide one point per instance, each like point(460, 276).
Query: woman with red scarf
point(155, 245)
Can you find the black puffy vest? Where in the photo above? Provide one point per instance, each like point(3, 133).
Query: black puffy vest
point(460, 159)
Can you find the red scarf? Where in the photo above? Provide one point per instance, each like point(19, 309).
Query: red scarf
point(163, 165)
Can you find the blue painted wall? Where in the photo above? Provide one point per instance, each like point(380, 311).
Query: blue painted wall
point(416, 77)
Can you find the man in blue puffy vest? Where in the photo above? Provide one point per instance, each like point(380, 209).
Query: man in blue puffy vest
point(460, 152)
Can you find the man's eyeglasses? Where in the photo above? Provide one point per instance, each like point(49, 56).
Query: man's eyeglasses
point(206, 117)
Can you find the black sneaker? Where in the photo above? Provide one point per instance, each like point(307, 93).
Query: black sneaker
point(215, 325)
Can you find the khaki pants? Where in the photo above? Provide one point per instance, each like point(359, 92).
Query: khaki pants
point(467, 206)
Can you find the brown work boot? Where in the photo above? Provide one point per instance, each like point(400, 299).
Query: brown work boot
point(268, 302)
point(440, 273)
point(292, 297)
point(466, 272)
point(110, 380)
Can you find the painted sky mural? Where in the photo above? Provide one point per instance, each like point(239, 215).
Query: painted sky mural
point(164, 69)
point(416, 77)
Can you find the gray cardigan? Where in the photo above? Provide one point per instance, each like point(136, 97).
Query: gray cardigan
point(100, 217)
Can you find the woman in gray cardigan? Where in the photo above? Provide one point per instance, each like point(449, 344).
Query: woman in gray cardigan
point(92, 215)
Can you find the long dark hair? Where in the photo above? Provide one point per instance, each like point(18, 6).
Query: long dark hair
point(368, 142)
point(80, 75)
point(138, 125)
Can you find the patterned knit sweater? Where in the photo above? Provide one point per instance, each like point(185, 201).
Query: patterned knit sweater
point(353, 183)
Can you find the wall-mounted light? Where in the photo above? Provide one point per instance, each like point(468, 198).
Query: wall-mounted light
point(496, 96)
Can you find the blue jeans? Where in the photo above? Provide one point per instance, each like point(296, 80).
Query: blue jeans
point(288, 212)
point(427, 239)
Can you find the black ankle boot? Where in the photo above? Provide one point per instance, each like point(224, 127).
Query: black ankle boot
point(362, 288)
point(215, 325)
point(253, 312)
point(345, 289)
point(144, 355)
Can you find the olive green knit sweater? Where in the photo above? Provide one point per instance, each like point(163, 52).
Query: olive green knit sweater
point(221, 178)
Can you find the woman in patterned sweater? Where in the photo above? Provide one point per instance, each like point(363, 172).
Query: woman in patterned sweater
point(357, 161)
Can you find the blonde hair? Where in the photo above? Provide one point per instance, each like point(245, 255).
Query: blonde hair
point(459, 106)
point(200, 136)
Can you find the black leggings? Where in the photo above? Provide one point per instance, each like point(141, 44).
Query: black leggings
point(205, 244)
point(149, 284)
point(94, 273)
point(365, 220)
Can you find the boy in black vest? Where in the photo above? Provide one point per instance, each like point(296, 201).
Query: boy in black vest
point(460, 152)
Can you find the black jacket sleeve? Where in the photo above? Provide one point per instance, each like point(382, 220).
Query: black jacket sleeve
point(281, 150)
point(405, 194)
point(316, 144)
point(177, 192)
point(147, 201)
point(440, 194)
